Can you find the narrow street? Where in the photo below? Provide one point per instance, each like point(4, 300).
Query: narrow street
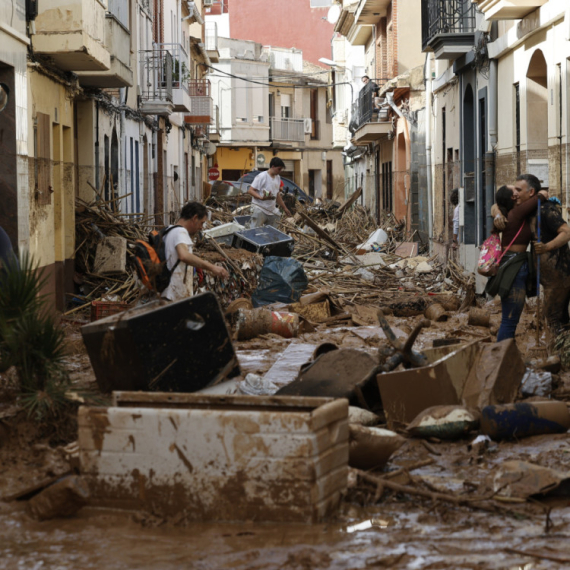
point(284, 285)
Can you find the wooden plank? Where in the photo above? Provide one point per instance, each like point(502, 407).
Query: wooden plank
point(355, 195)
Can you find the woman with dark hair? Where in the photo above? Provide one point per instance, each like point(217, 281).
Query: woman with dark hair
point(513, 278)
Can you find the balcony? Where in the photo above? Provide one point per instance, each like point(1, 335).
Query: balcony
point(118, 43)
point(201, 109)
point(369, 124)
point(156, 82)
point(508, 9)
point(72, 33)
point(165, 73)
point(292, 130)
point(211, 35)
point(448, 27)
point(284, 59)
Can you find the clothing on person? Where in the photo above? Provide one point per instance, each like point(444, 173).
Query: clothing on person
point(515, 219)
point(264, 211)
point(554, 273)
point(181, 283)
point(512, 304)
point(260, 218)
point(512, 280)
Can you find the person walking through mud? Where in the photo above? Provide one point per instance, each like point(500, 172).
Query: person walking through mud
point(178, 246)
point(554, 268)
point(514, 276)
point(265, 192)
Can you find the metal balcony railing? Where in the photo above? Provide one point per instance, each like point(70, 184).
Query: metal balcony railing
point(180, 67)
point(120, 9)
point(211, 33)
point(364, 111)
point(446, 17)
point(156, 75)
point(287, 129)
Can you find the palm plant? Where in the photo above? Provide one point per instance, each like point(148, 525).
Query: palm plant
point(30, 340)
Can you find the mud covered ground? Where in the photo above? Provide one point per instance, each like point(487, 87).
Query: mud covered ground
point(401, 531)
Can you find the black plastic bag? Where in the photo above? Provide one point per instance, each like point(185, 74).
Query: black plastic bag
point(282, 280)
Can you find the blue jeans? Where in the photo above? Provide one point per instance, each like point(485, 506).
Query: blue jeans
point(513, 305)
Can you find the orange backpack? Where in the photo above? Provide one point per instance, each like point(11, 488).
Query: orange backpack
point(150, 260)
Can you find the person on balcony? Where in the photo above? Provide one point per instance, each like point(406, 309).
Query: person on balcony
point(265, 192)
point(372, 88)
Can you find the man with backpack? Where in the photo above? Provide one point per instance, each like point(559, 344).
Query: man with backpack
point(180, 260)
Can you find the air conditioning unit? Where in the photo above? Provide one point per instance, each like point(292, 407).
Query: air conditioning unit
point(208, 2)
point(308, 124)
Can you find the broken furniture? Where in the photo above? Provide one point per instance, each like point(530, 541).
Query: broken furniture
point(217, 458)
point(162, 346)
point(266, 240)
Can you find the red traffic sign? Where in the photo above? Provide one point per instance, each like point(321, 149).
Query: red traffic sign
point(213, 173)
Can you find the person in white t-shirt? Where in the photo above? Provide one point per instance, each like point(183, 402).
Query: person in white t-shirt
point(178, 248)
point(265, 194)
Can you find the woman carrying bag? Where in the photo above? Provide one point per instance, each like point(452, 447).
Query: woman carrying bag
point(514, 270)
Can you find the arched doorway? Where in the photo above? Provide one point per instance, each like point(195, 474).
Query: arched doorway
point(537, 117)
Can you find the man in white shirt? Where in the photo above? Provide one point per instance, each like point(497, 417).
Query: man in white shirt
point(178, 248)
point(265, 193)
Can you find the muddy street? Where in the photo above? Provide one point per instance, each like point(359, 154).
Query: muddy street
point(397, 530)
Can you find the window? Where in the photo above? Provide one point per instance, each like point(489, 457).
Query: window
point(285, 106)
point(321, 3)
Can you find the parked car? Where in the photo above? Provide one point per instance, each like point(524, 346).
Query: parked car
point(289, 187)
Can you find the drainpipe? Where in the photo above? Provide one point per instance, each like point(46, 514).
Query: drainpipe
point(97, 146)
point(490, 158)
point(429, 110)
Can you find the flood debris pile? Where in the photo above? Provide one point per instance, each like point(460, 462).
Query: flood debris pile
point(105, 268)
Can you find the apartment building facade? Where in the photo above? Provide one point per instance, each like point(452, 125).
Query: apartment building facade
point(500, 78)
point(384, 142)
point(108, 101)
point(272, 103)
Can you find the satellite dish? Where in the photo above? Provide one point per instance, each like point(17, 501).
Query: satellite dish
point(333, 14)
point(261, 159)
point(211, 149)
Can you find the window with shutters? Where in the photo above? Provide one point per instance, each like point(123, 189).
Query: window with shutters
point(43, 159)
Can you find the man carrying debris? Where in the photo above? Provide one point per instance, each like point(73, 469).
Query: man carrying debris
point(265, 193)
point(178, 246)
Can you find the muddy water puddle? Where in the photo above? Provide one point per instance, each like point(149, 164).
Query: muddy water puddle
point(393, 535)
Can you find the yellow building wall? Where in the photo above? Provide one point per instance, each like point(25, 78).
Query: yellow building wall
point(52, 225)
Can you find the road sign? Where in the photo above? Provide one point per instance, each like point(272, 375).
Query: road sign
point(213, 173)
